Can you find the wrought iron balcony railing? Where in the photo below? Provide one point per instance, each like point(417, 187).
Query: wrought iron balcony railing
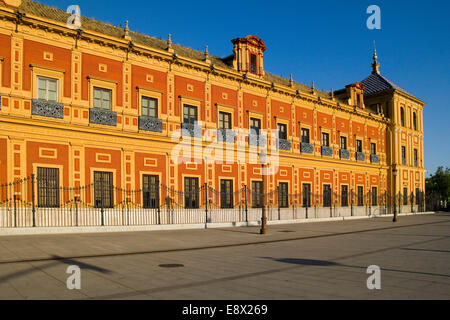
point(226, 135)
point(327, 151)
point(344, 153)
point(374, 158)
point(191, 130)
point(150, 124)
point(103, 116)
point(306, 148)
point(284, 144)
point(256, 140)
point(48, 109)
point(360, 156)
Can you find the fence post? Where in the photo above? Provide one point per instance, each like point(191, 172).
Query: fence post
point(206, 202)
point(278, 198)
point(246, 206)
point(33, 200)
point(351, 202)
point(307, 203)
point(158, 203)
point(76, 211)
point(13, 191)
point(101, 198)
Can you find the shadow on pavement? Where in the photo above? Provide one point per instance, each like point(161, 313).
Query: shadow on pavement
point(55, 261)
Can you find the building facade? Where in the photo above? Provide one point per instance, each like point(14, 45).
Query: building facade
point(104, 103)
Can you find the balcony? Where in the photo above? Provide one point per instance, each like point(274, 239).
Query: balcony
point(48, 109)
point(374, 158)
point(256, 140)
point(226, 135)
point(327, 151)
point(191, 130)
point(360, 156)
point(103, 116)
point(306, 148)
point(150, 124)
point(284, 144)
point(344, 153)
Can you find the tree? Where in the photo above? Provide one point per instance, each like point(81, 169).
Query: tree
point(438, 185)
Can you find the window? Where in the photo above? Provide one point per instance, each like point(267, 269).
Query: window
point(414, 121)
point(405, 196)
point(418, 200)
point(102, 98)
point(325, 139)
point(47, 89)
point(374, 196)
point(360, 196)
point(189, 114)
point(226, 194)
point(402, 117)
point(359, 147)
point(257, 191)
point(358, 100)
point(283, 194)
point(282, 131)
point(305, 135)
point(326, 195)
point(306, 193)
point(373, 148)
point(103, 189)
point(191, 193)
point(404, 156)
point(149, 107)
point(343, 143)
point(150, 191)
point(48, 187)
point(416, 158)
point(344, 196)
point(224, 120)
point(253, 67)
point(255, 125)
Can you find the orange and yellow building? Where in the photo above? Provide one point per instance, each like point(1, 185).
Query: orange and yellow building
point(107, 99)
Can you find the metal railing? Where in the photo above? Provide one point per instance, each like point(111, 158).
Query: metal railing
point(31, 202)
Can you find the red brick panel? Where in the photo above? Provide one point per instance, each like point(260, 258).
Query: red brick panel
point(33, 53)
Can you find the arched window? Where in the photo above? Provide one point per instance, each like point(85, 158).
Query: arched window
point(415, 121)
point(402, 117)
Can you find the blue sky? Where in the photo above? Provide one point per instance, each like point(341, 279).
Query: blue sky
point(324, 41)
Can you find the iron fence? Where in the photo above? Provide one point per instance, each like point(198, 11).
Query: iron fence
point(32, 202)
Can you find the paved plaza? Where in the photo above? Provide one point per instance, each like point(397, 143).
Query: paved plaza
point(299, 261)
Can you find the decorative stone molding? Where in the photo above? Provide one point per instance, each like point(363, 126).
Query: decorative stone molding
point(344, 153)
point(306, 148)
point(374, 158)
point(48, 109)
point(327, 151)
point(150, 124)
point(191, 130)
point(256, 140)
point(284, 144)
point(360, 156)
point(103, 116)
point(226, 135)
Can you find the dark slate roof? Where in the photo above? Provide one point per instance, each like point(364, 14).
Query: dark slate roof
point(376, 83)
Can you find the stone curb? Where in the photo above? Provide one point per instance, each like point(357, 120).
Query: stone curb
point(81, 230)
